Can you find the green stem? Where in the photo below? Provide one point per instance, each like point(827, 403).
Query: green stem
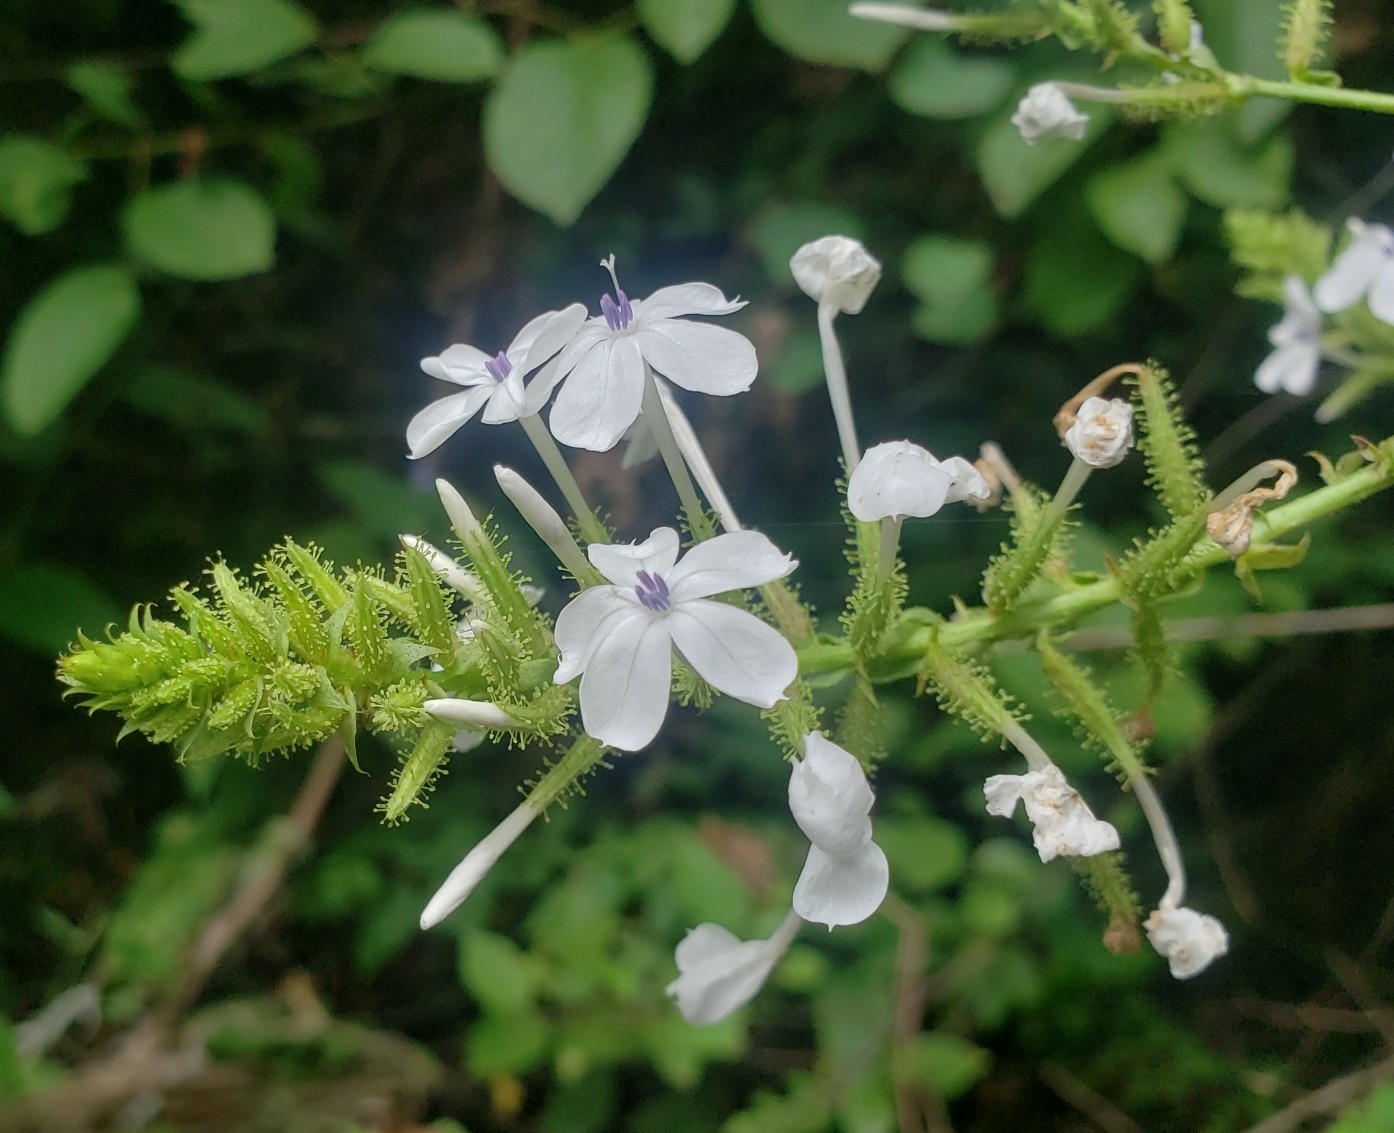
point(1246, 86)
point(591, 528)
point(978, 627)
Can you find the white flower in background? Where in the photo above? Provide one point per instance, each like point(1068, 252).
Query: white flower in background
point(493, 384)
point(720, 973)
point(836, 270)
point(1292, 366)
point(898, 479)
point(1364, 270)
point(1188, 939)
point(845, 876)
point(620, 638)
point(1046, 112)
point(1102, 433)
point(602, 371)
point(1063, 822)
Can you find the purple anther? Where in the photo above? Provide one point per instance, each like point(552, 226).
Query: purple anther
point(652, 592)
point(617, 315)
point(499, 366)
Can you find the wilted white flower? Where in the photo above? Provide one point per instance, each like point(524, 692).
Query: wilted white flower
point(719, 972)
point(1364, 269)
point(845, 876)
point(1292, 366)
point(602, 371)
point(836, 270)
point(620, 638)
point(1102, 433)
point(898, 479)
point(1063, 822)
point(1188, 939)
point(1046, 112)
point(493, 384)
point(476, 865)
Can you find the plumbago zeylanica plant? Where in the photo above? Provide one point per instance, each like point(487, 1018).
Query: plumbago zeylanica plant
point(440, 654)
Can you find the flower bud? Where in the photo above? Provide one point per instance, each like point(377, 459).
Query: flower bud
point(1102, 432)
point(836, 270)
point(1046, 112)
point(476, 865)
point(473, 713)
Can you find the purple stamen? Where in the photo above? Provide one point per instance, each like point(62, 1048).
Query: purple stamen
point(652, 592)
point(617, 315)
point(499, 366)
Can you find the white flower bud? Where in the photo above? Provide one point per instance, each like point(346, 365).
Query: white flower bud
point(845, 877)
point(473, 713)
point(1046, 112)
point(542, 517)
point(1102, 433)
point(1188, 939)
point(447, 569)
point(836, 270)
point(476, 865)
point(1064, 824)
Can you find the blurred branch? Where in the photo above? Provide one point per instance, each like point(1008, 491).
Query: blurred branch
point(1336, 1095)
point(1343, 619)
point(1087, 1100)
point(917, 1109)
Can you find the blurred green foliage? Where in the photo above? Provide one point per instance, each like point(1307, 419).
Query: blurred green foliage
point(231, 228)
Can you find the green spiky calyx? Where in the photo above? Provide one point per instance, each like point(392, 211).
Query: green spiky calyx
point(1174, 467)
point(877, 595)
point(1105, 878)
point(1174, 22)
point(1306, 36)
point(967, 690)
point(1087, 706)
point(1271, 246)
point(260, 669)
point(1037, 533)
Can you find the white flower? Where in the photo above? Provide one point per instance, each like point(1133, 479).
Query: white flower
point(1045, 112)
point(719, 972)
point(1188, 939)
point(1292, 366)
point(1063, 822)
point(1365, 268)
point(1102, 433)
point(476, 865)
point(495, 384)
point(897, 479)
point(620, 638)
point(845, 876)
point(602, 371)
point(836, 270)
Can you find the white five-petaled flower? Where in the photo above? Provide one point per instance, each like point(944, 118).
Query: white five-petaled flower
point(845, 876)
point(1063, 822)
point(1365, 269)
point(836, 270)
point(1292, 366)
point(1102, 433)
point(493, 384)
point(718, 972)
point(620, 638)
point(898, 479)
point(1046, 112)
point(602, 371)
point(1188, 939)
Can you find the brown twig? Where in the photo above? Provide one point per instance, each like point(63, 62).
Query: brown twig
point(917, 1109)
point(1087, 1100)
point(1334, 1096)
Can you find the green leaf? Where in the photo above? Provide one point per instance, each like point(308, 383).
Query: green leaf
point(106, 89)
point(925, 853)
point(952, 279)
point(62, 337)
point(822, 31)
point(1015, 173)
point(935, 81)
point(36, 179)
point(685, 28)
point(43, 606)
point(235, 37)
point(508, 1045)
point(215, 229)
point(1076, 281)
point(946, 1064)
point(1139, 207)
point(562, 118)
point(196, 404)
point(1223, 172)
point(440, 44)
point(496, 973)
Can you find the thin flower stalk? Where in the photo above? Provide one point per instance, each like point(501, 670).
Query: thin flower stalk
point(696, 459)
point(671, 452)
point(591, 528)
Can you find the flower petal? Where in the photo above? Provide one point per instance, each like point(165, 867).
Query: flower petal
point(1350, 276)
point(842, 890)
point(966, 482)
point(624, 690)
point(601, 397)
point(719, 973)
point(897, 478)
point(698, 356)
point(734, 561)
point(1381, 297)
point(463, 365)
point(1188, 939)
point(622, 562)
point(1291, 368)
point(1003, 792)
point(580, 624)
point(507, 400)
point(435, 424)
point(544, 336)
point(684, 299)
point(733, 651)
point(548, 378)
